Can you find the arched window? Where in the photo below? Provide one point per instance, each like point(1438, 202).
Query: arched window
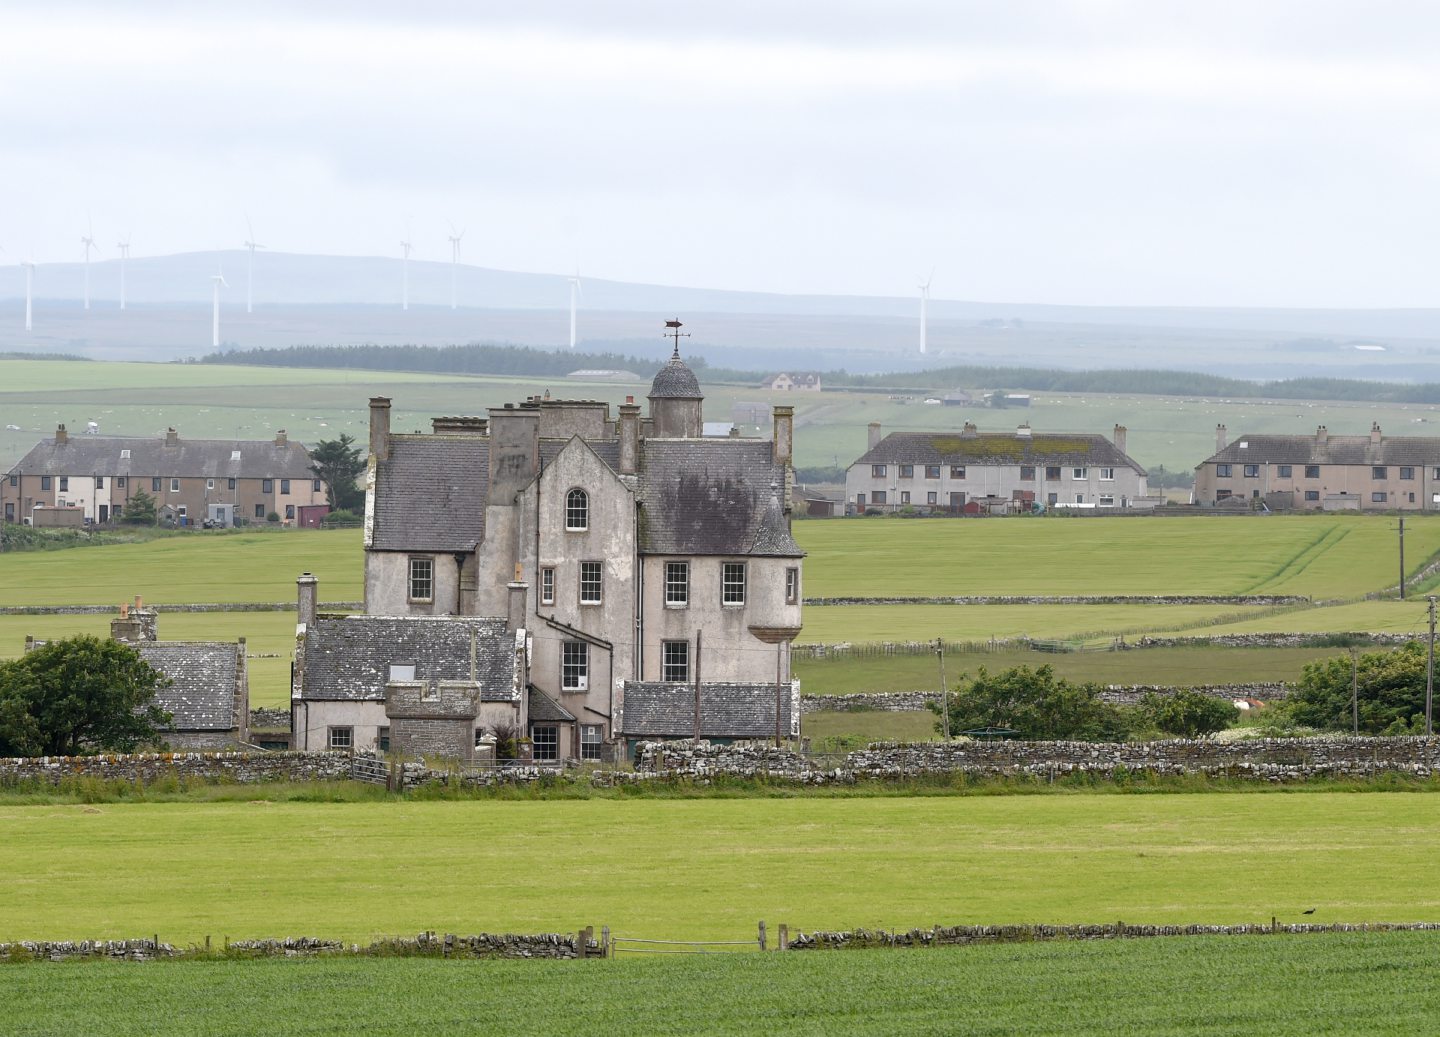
point(577, 510)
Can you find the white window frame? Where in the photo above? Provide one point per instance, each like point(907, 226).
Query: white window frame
point(577, 510)
point(574, 666)
point(340, 739)
point(732, 584)
point(174, 485)
point(592, 741)
point(792, 585)
point(547, 585)
point(416, 579)
point(1079, 473)
point(209, 484)
point(592, 582)
point(677, 585)
point(1107, 500)
point(1107, 475)
point(675, 661)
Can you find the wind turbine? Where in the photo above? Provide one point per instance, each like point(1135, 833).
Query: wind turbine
point(124, 247)
point(575, 292)
point(218, 281)
point(924, 304)
point(405, 275)
point(249, 269)
point(454, 261)
point(88, 240)
point(29, 265)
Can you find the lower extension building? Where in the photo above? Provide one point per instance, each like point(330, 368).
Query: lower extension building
point(1322, 472)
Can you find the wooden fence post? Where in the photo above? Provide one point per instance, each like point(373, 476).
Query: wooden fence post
point(784, 937)
point(762, 934)
point(604, 941)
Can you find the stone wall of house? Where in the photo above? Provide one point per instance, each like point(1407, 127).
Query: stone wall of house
point(201, 741)
point(239, 768)
point(432, 718)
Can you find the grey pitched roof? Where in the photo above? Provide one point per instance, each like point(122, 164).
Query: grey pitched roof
point(349, 659)
point(727, 710)
point(711, 497)
point(430, 494)
point(998, 448)
point(201, 696)
point(676, 381)
point(1356, 450)
point(543, 708)
point(608, 450)
point(187, 459)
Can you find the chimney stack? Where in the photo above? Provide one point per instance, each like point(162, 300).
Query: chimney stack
point(1120, 431)
point(874, 435)
point(784, 433)
point(1322, 436)
point(1220, 438)
point(307, 596)
point(61, 436)
point(281, 438)
point(518, 591)
point(629, 436)
point(380, 427)
point(172, 438)
point(1375, 433)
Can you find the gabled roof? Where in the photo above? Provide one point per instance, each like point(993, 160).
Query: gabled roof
point(201, 695)
point(1356, 450)
point(998, 448)
point(712, 497)
point(542, 707)
point(187, 459)
point(349, 659)
point(430, 494)
point(727, 710)
point(608, 450)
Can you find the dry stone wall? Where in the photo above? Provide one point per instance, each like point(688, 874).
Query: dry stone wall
point(1117, 694)
point(219, 768)
point(425, 945)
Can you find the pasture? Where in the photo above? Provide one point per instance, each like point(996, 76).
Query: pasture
point(1369, 983)
point(708, 868)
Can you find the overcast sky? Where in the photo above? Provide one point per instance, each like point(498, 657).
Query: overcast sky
point(1262, 152)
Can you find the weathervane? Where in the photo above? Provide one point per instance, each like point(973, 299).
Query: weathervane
point(673, 331)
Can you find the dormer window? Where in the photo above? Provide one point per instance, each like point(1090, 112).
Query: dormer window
point(577, 510)
point(402, 672)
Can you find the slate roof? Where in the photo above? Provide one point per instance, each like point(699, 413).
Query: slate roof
point(1356, 450)
point(187, 459)
point(545, 709)
point(676, 381)
point(349, 659)
point(201, 696)
point(608, 450)
point(998, 448)
point(430, 494)
point(728, 710)
point(712, 497)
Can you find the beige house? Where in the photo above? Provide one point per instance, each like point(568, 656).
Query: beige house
point(1323, 472)
point(190, 480)
point(793, 381)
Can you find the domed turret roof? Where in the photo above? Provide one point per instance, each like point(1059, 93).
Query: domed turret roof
point(676, 381)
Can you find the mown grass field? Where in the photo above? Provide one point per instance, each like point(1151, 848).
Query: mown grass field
point(1367, 983)
point(710, 868)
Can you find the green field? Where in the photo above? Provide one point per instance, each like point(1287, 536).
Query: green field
point(710, 868)
point(1357, 983)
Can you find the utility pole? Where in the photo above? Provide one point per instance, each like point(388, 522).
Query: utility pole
point(1354, 693)
point(1402, 557)
point(1430, 673)
point(944, 688)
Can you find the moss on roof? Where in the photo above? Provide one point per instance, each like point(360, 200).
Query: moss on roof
point(1009, 445)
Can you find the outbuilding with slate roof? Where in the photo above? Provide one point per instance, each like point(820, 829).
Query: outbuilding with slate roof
point(971, 472)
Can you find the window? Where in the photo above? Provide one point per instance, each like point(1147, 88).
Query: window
point(675, 661)
point(121, 482)
point(1312, 494)
point(1252, 471)
point(64, 483)
point(957, 471)
point(1435, 473)
point(284, 485)
point(1407, 473)
point(1079, 498)
point(1222, 471)
point(422, 579)
point(1052, 498)
point(878, 497)
point(577, 510)
point(1378, 497)
point(1312, 471)
point(99, 482)
point(1377, 472)
point(1027, 473)
point(590, 741)
point(267, 485)
point(1107, 475)
point(1079, 473)
point(590, 582)
point(932, 471)
point(125, 455)
point(155, 485)
point(45, 482)
point(1107, 500)
point(174, 485)
point(182, 511)
point(209, 484)
point(574, 666)
point(402, 672)
point(234, 455)
point(792, 586)
point(289, 511)
point(14, 480)
point(877, 471)
point(547, 586)
point(732, 583)
point(904, 496)
point(260, 511)
point(677, 584)
point(932, 497)
point(545, 743)
point(907, 471)
point(1052, 472)
point(314, 485)
point(342, 738)
point(382, 739)
point(1283, 471)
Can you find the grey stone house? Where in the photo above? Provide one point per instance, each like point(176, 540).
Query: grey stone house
point(974, 472)
point(629, 553)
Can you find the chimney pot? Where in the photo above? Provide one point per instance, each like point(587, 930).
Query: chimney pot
point(281, 438)
point(1375, 435)
point(61, 436)
point(1220, 438)
point(1120, 431)
point(171, 437)
point(874, 435)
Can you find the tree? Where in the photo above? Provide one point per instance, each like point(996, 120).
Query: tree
point(1035, 705)
point(140, 509)
point(337, 463)
point(79, 695)
point(1391, 692)
point(1187, 713)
